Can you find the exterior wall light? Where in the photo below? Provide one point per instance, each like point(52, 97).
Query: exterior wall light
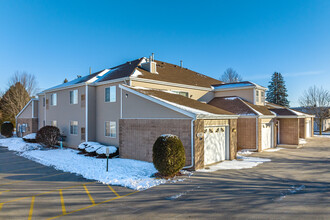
point(233, 130)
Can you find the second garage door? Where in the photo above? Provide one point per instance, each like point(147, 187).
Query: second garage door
point(308, 128)
point(216, 144)
point(266, 136)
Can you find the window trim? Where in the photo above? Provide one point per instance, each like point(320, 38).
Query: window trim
point(77, 128)
point(178, 93)
point(105, 129)
point(105, 95)
point(73, 97)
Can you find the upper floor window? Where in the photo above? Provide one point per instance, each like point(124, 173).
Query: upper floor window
point(110, 94)
point(74, 127)
point(53, 99)
point(262, 96)
point(257, 96)
point(185, 94)
point(74, 97)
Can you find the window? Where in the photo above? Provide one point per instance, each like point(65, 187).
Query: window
point(110, 129)
point(43, 101)
point(74, 97)
point(53, 99)
point(262, 96)
point(257, 96)
point(185, 94)
point(110, 94)
point(74, 127)
point(54, 123)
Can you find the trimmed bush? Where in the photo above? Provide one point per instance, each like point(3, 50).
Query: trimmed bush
point(168, 155)
point(48, 136)
point(7, 129)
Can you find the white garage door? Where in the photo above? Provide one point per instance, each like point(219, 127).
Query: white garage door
point(216, 144)
point(308, 128)
point(266, 135)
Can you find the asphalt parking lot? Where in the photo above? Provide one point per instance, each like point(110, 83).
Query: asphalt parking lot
point(294, 185)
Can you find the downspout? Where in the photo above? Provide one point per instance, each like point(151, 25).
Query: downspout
point(86, 117)
point(257, 133)
point(192, 145)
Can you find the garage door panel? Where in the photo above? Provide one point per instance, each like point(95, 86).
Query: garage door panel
point(266, 136)
point(215, 144)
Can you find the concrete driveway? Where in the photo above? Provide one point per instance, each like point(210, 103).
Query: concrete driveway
point(294, 185)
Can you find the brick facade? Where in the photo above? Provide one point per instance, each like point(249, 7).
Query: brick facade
point(232, 139)
point(302, 128)
point(199, 144)
point(137, 136)
point(289, 131)
point(246, 133)
point(32, 125)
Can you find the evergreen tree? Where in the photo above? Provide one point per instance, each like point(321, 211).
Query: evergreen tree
point(65, 80)
point(277, 92)
point(13, 101)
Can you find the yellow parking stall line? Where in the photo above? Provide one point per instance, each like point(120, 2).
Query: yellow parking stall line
point(40, 177)
point(39, 194)
point(1, 204)
point(90, 206)
point(62, 203)
point(113, 191)
point(31, 208)
point(89, 195)
point(4, 191)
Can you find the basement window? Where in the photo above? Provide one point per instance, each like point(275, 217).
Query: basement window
point(185, 94)
point(74, 127)
point(110, 129)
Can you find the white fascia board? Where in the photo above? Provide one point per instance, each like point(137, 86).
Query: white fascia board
point(234, 88)
point(289, 116)
point(170, 84)
point(200, 116)
point(33, 99)
point(189, 114)
point(267, 116)
point(109, 81)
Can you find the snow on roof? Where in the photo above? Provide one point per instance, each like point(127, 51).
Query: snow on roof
point(236, 85)
point(136, 73)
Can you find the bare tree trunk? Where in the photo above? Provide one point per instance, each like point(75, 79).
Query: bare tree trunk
point(320, 126)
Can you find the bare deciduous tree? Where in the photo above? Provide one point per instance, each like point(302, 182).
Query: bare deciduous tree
point(316, 101)
point(230, 76)
point(27, 80)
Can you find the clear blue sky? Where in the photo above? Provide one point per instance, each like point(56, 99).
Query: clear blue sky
point(63, 38)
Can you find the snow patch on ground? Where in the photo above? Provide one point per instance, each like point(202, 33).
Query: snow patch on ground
point(174, 197)
point(273, 149)
point(30, 136)
point(293, 190)
point(242, 162)
point(133, 174)
point(322, 136)
point(103, 150)
point(302, 141)
point(245, 152)
point(17, 144)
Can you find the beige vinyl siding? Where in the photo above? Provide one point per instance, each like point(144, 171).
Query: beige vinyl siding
point(64, 112)
point(41, 114)
point(192, 93)
point(106, 111)
point(91, 113)
point(247, 94)
point(135, 107)
point(27, 113)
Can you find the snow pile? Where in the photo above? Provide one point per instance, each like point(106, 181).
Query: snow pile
point(124, 172)
point(293, 190)
point(242, 163)
point(302, 141)
point(92, 148)
point(17, 144)
point(133, 174)
point(245, 152)
point(103, 150)
point(169, 135)
point(30, 136)
point(273, 149)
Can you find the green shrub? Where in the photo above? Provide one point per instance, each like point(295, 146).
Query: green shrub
point(7, 129)
point(48, 136)
point(168, 155)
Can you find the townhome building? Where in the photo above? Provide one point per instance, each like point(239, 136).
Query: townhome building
point(130, 105)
